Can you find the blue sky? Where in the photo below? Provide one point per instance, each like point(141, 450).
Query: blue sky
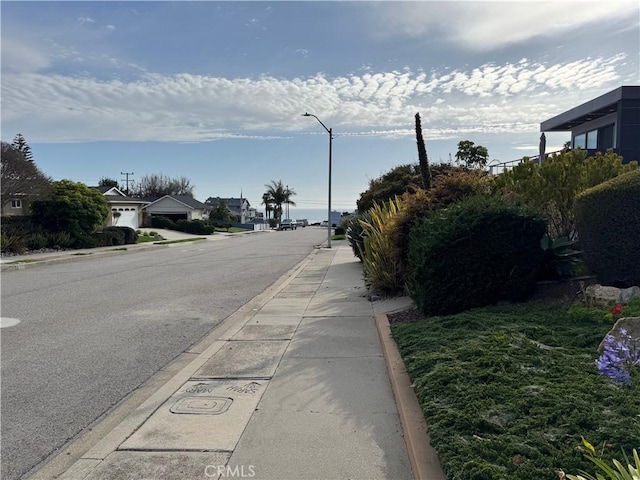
point(214, 91)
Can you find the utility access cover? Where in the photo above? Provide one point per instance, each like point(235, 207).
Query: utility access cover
point(202, 405)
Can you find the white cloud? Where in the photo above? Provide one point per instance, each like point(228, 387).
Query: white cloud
point(489, 25)
point(19, 56)
point(110, 28)
point(85, 20)
point(490, 98)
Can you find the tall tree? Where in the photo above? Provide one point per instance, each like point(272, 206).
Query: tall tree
point(20, 144)
point(21, 178)
point(472, 155)
point(73, 208)
point(108, 182)
point(159, 185)
point(221, 212)
point(423, 159)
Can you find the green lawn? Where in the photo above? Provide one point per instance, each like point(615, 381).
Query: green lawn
point(148, 238)
point(507, 391)
point(231, 229)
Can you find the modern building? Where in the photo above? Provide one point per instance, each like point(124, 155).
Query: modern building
point(609, 121)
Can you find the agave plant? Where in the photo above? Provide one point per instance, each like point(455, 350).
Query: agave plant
point(561, 258)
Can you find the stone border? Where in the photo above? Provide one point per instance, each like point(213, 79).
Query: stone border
point(423, 457)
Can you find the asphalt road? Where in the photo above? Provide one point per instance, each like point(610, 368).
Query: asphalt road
point(94, 330)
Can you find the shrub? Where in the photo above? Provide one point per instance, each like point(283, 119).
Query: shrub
point(449, 187)
point(110, 236)
point(130, 235)
point(162, 222)
point(73, 208)
point(196, 227)
point(355, 233)
point(380, 269)
point(36, 241)
point(472, 254)
point(553, 186)
point(60, 239)
point(11, 242)
point(339, 231)
point(608, 222)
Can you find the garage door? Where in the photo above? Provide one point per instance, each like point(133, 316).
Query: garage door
point(128, 217)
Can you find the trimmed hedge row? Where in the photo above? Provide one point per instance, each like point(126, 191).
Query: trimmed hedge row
point(475, 253)
point(196, 227)
point(608, 224)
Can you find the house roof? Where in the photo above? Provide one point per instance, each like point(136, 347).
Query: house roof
point(596, 108)
point(114, 195)
point(186, 200)
point(229, 202)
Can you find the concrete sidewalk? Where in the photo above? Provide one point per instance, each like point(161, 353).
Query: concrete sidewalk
point(297, 388)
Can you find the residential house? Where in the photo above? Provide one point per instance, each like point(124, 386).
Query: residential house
point(16, 206)
point(240, 207)
point(178, 207)
point(611, 120)
point(125, 211)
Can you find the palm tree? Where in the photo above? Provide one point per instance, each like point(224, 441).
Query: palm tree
point(278, 194)
point(268, 204)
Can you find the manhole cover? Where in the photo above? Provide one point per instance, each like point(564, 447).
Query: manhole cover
point(202, 405)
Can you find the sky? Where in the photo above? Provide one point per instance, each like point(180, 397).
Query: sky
point(215, 91)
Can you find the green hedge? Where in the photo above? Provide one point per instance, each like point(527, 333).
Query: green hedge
point(475, 253)
point(162, 222)
point(608, 224)
point(197, 227)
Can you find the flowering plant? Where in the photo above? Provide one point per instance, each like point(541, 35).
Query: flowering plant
point(619, 357)
point(615, 311)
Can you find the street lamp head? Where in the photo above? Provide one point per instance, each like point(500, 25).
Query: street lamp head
point(305, 115)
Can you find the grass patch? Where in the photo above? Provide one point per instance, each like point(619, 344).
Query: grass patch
point(508, 391)
point(82, 253)
point(119, 249)
point(183, 240)
point(148, 238)
point(230, 229)
point(342, 236)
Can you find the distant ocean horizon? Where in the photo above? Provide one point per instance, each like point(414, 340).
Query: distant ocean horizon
point(312, 215)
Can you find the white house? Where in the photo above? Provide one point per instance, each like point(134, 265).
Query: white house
point(178, 207)
point(125, 211)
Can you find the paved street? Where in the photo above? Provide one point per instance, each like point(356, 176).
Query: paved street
point(92, 331)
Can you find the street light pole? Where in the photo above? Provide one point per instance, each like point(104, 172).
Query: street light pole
point(330, 132)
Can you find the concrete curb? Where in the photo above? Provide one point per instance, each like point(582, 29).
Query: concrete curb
point(423, 457)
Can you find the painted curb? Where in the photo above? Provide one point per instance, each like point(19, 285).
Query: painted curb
point(423, 457)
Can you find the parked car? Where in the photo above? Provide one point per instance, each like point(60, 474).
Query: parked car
point(324, 223)
point(288, 224)
point(302, 222)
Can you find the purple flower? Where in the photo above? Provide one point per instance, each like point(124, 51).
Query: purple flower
point(619, 357)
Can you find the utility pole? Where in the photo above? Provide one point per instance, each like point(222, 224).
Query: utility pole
point(126, 174)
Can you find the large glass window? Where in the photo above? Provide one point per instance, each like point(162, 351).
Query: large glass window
point(592, 139)
point(580, 141)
